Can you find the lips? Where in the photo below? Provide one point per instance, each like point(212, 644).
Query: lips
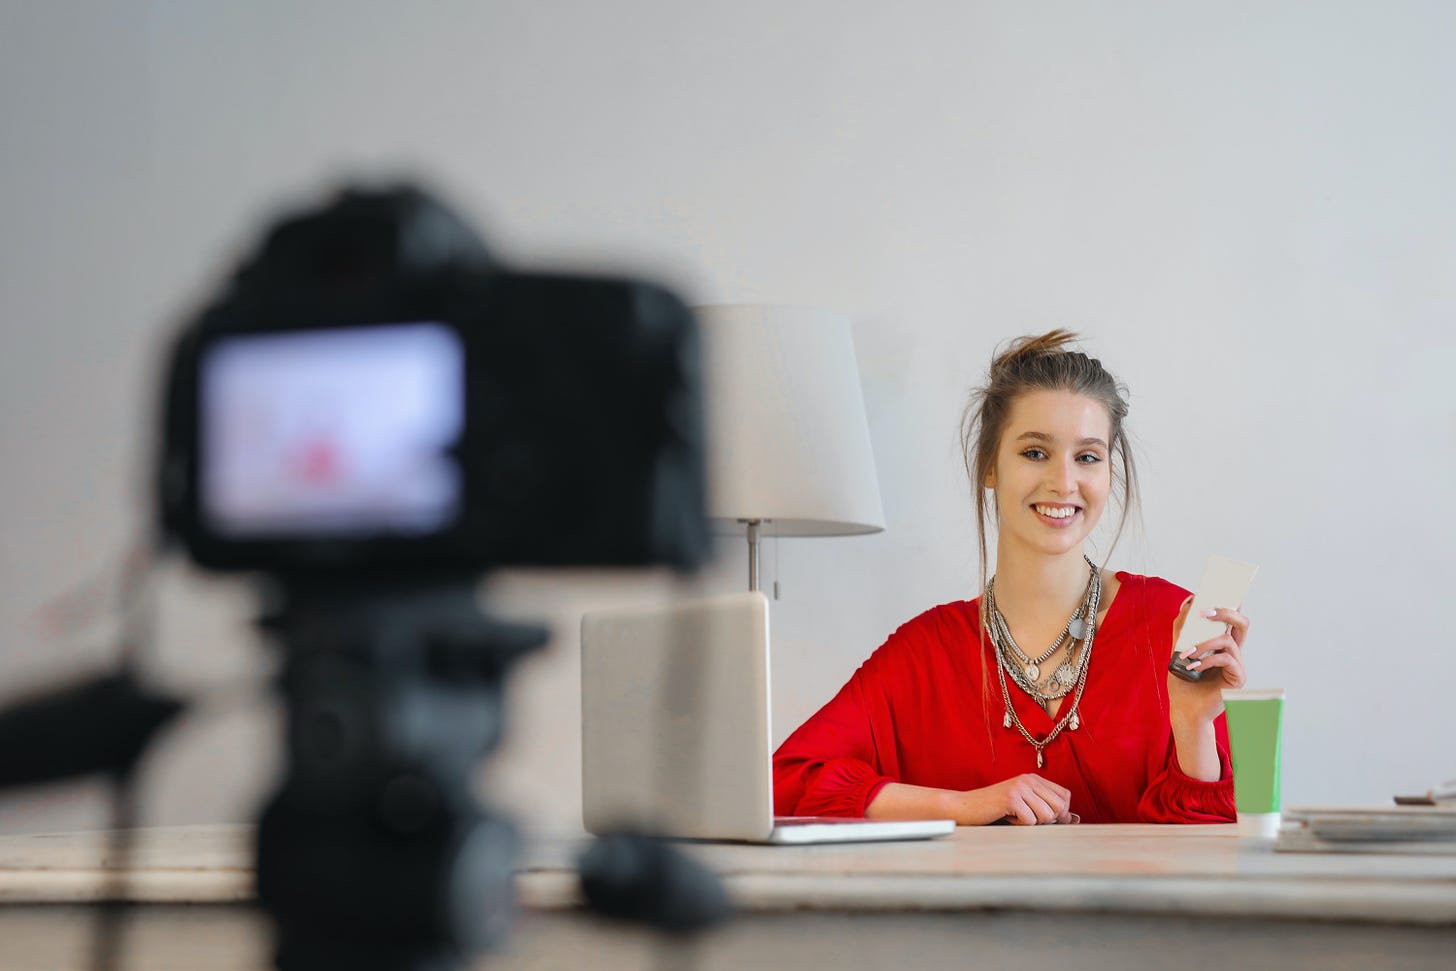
point(1055, 514)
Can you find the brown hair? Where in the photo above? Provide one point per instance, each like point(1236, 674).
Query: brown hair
point(1041, 363)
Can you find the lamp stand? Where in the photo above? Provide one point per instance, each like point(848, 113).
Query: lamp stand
point(753, 527)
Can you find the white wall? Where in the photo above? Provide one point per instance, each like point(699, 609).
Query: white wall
point(1247, 207)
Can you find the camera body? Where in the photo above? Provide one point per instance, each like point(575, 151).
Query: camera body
point(373, 394)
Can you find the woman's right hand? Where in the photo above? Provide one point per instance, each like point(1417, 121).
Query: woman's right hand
point(1024, 800)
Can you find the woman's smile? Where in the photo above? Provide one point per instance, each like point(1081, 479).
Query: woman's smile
point(1056, 515)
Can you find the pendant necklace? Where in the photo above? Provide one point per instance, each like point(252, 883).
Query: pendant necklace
point(1024, 670)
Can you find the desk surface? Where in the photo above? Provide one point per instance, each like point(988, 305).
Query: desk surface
point(1204, 870)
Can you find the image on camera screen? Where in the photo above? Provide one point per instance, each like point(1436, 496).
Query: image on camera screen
point(337, 432)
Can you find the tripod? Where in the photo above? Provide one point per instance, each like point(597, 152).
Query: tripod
point(374, 855)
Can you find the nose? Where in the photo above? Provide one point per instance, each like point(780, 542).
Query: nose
point(1062, 477)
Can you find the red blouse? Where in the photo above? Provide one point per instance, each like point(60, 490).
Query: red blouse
point(926, 710)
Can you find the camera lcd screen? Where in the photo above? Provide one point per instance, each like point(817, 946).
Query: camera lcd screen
point(337, 432)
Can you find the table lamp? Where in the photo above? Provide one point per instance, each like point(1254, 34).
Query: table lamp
point(788, 441)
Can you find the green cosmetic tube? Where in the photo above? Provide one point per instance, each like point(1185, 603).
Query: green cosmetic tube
point(1255, 722)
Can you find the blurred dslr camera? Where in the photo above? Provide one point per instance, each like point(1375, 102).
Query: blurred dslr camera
point(372, 393)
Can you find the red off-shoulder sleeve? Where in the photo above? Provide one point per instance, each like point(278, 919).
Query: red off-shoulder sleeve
point(828, 767)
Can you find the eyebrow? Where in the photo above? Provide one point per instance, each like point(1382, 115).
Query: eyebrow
point(1044, 437)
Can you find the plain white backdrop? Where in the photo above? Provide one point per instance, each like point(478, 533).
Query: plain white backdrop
point(1246, 207)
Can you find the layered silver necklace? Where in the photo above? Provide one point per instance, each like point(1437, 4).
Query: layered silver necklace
point(1069, 677)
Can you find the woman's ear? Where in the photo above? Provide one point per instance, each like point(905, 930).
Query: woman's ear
point(990, 482)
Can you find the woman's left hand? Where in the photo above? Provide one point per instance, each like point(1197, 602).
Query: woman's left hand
point(1221, 659)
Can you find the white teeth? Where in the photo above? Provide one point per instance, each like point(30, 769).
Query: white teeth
point(1056, 512)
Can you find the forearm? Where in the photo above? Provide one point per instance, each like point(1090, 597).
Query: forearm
point(896, 800)
point(1027, 799)
point(1197, 749)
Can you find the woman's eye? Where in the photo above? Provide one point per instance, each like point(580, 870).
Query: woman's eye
point(1089, 458)
point(1034, 453)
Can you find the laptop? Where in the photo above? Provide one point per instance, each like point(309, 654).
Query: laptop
point(675, 729)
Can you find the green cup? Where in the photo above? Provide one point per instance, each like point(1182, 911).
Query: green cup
point(1255, 719)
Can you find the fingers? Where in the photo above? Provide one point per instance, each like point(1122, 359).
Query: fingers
point(1228, 661)
point(1237, 622)
point(1034, 800)
point(1232, 640)
point(1222, 652)
point(1057, 798)
point(1026, 810)
point(1223, 643)
point(1045, 813)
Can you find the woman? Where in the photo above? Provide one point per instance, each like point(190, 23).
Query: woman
point(1047, 699)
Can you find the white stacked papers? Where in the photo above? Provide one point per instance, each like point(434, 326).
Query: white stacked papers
point(1378, 829)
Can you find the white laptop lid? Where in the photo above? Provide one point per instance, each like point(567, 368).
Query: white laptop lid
point(675, 719)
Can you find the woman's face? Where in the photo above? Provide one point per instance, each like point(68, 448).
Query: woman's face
point(1052, 473)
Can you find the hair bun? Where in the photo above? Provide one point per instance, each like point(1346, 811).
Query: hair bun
point(1024, 349)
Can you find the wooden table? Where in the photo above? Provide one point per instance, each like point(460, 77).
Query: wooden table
point(998, 897)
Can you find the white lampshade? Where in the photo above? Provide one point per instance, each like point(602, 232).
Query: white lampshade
point(788, 441)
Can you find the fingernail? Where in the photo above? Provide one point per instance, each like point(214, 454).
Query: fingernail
point(1194, 665)
point(1210, 613)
